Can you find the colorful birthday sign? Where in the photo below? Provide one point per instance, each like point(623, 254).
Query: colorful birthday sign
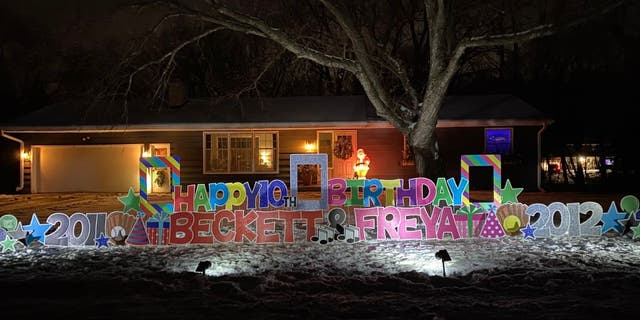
point(349, 210)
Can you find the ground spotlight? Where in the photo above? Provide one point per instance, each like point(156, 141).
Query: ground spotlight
point(203, 266)
point(444, 256)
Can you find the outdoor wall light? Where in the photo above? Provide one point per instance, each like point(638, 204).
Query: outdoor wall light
point(309, 146)
point(26, 155)
point(444, 256)
point(203, 266)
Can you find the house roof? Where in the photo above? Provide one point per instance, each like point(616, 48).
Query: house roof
point(281, 112)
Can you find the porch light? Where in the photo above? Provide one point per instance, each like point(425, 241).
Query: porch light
point(309, 146)
point(146, 153)
point(26, 155)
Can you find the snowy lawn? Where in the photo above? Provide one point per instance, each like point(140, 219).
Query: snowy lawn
point(509, 278)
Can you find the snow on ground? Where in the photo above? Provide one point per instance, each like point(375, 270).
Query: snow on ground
point(509, 278)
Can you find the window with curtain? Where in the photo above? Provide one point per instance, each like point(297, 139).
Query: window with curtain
point(240, 152)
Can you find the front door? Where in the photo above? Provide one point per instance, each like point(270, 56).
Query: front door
point(345, 145)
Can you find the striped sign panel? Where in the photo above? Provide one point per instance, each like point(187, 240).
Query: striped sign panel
point(482, 160)
point(146, 163)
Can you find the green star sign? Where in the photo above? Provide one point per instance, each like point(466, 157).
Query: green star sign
point(636, 231)
point(8, 244)
point(130, 201)
point(509, 193)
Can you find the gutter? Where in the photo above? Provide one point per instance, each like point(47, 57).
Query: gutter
point(12, 138)
point(539, 165)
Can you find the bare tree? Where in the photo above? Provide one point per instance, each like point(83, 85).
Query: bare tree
point(404, 53)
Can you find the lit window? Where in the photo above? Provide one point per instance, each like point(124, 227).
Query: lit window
point(240, 152)
point(498, 141)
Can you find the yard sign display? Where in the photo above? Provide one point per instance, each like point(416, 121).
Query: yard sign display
point(348, 210)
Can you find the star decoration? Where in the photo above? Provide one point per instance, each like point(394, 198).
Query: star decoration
point(8, 244)
point(636, 232)
point(31, 239)
point(102, 241)
point(613, 219)
point(130, 201)
point(18, 233)
point(528, 232)
point(509, 193)
point(37, 229)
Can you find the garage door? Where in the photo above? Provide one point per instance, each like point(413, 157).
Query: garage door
point(98, 168)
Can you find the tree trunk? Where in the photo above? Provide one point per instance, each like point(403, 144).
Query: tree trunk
point(429, 163)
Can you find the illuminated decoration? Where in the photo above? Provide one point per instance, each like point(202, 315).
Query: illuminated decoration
point(130, 201)
point(267, 211)
point(146, 163)
point(361, 167)
point(510, 194)
point(482, 160)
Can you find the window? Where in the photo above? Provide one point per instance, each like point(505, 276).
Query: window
point(499, 141)
point(325, 145)
point(240, 152)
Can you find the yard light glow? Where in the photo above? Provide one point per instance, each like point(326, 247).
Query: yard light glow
point(203, 266)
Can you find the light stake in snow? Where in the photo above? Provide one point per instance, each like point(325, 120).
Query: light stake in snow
point(203, 266)
point(444, 256)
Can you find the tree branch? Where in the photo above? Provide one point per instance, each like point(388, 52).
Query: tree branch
point(168, 58)
point(283, 39)
point(367, 74)
point(515, 37)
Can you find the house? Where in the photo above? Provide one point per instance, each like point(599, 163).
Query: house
point(70, 147)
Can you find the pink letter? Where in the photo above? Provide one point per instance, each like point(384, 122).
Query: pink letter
point(336, 188)
point(406, 222)
point(362, 223)
point(390, 226)
point(447, 223)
